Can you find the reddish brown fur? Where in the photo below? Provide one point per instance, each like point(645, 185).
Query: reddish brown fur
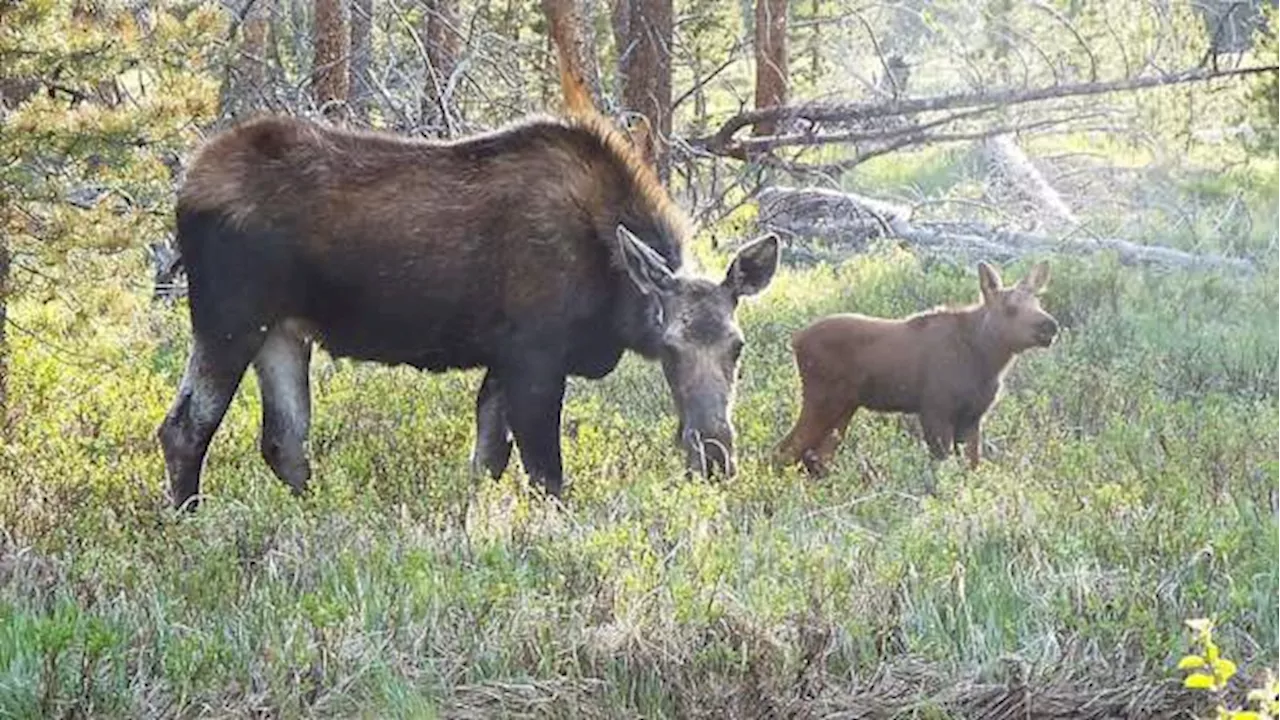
point(943, 365)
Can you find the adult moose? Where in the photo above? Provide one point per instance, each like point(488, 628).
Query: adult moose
point(943, 365)
point(538, 251)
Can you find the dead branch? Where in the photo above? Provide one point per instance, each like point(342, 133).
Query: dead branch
point(723, 142)
point(851, 220)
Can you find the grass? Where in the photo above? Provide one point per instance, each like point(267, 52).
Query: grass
point(1131, 484)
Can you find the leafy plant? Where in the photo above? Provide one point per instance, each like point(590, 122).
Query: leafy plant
point(1210, 671)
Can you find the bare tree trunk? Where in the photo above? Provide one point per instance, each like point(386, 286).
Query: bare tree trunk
point(771, 59)
point(443, 42)
point(242, 86)
point(361, 56)
point(620, 23)
point(4, 344)
point(329, 68)
point(645, 70)
point(573, 33)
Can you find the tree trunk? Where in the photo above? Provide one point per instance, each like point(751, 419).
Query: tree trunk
point(329, 68)
point(361, 56)
point(443, 42)
point(245, 79)
point(573, 33)
point(620, 23)
point(771, 59)
point(4, 344)
point(645, 70)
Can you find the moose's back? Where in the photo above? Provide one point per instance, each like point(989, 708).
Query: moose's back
point(397, 250)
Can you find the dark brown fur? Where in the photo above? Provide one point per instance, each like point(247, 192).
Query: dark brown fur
point(943, 365)
point(510, 251)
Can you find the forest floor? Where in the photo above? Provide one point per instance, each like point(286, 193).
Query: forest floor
point(1131, 484)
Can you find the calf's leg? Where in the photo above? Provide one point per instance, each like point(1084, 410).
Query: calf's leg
point(826, 450)
point(820, 413)
point(213, 372)
point(973, 446)
point(939, 434)
point(283, 366)
point(492, 450)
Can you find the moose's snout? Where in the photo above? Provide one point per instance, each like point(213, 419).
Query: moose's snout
point(709, 453)
point(1046, 331)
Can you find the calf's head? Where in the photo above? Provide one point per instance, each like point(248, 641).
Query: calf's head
point(693, 331)
point(1014, 313)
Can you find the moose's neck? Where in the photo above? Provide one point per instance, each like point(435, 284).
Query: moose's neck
point(633, 322)
point(992, 355)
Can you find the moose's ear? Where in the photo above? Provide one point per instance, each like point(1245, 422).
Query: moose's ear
point(1036, 280)
point(753, 267)
point(645, 267)
point(989, 282)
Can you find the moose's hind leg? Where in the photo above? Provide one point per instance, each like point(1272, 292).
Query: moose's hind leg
point(814, 437)
point(283, 365)
point(212, 375)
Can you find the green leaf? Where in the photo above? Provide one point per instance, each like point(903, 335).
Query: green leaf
point(1199, 681)
point(1200, 625)
point(1191, 662)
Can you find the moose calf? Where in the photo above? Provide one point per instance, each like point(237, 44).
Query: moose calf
point(943, 365)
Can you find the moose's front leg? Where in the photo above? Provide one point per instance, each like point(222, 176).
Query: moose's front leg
point(492, 451)
point(534, 396)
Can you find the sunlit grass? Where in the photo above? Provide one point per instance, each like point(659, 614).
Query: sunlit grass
point(1131, 484)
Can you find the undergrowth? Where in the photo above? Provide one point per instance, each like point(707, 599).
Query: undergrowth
point(1131, 483)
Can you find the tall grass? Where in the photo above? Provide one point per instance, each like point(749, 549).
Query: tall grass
point(1131, 484)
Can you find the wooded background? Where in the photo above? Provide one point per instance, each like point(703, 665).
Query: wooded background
point(101, 102)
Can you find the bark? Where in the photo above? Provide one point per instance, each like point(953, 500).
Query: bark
point(332, 50)
point(245, 78)
point(442, 43)
point(361, 57)
point(572, 32)
point(620, 23)
point(1231, 25)
point(851, 220)
point(771, 59)
point(645, 70)
point(15, 91)
point(4, 344)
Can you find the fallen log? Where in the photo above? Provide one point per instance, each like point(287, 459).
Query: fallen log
point(852, 220)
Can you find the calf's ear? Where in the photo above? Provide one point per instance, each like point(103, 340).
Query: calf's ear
point(989, 282)
point(646, 268)
point(1037, 279)
point(753, 267)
